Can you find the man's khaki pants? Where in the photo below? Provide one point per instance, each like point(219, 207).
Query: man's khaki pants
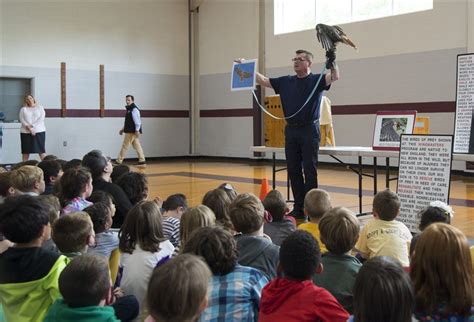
point(131, 138)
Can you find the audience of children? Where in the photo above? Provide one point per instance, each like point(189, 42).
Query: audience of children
point(28, 180)
point(218, 201)
point(383, 235)
point(173, 208)
point(185, 279)
point(86, 291)
point(441, 271)
point(254, 249)
point(339, 230)
point(281, 225)
point(76, 187)
point(316, 203)
point(101, 170)
point(294, 297)
point(28, 273)
point(234, 290)
point(383, 292)
point(143, 247)
point(101, 213)
point(437, 211)
point(194, 218)
point(30, 264)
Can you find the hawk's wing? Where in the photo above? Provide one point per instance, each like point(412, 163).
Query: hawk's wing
point(330, 36)
point(242, 74)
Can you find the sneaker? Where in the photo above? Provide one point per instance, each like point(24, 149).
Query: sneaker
point(115, 163)
point(141, 163)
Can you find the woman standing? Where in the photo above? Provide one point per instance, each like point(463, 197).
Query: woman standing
point(33, 131)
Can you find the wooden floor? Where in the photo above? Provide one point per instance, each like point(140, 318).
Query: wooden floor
point(194, 178)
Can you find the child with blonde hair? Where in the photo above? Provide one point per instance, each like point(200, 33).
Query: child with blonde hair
point(441, 271)
point(194, 218)
point(316, 203)
point(143, 247)
point(178, 289)
point(28, 180)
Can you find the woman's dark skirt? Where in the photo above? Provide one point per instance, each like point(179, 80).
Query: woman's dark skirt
point(33, 143)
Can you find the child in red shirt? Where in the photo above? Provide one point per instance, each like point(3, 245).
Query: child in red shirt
point(294, 297)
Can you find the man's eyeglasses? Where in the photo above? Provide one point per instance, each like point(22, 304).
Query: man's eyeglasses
point(298, 59)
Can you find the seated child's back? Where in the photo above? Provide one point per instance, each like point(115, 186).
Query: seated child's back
point(106, 240)
point(143, 247)
point(86, 289)
point(280, 226)
point(339, 229)
point(294, 297)
point(254, 249)
point(234, 290)
point(316, 203)
point(28, 273)
point(383, 235)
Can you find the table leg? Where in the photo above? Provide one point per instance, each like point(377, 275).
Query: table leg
point(360, 184)
point(274, 170)
point(375, 176)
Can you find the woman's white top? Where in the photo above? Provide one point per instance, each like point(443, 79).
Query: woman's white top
point(32, 116)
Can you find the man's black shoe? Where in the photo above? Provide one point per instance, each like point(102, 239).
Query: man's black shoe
point(298, 215)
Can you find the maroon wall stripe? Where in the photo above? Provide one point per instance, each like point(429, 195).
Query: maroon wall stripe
point(235, 112)
point(117, 113)
point(422, 107)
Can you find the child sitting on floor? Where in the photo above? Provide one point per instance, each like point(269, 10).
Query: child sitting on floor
point(316, 203)
point(281, 225)
point(294, 297)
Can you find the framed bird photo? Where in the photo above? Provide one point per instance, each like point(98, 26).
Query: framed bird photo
point(243, 75)
point(389, 126)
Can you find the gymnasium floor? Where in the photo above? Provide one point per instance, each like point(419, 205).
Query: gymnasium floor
point(195, 177)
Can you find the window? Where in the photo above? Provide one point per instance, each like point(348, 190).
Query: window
point(297, 15)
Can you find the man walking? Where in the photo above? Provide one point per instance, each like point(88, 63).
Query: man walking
point(132, 129)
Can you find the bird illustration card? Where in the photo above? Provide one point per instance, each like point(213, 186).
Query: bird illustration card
point(243, 75)
point(389, 126)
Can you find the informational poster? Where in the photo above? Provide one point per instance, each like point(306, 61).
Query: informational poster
point(424, 174)
point(464, 103)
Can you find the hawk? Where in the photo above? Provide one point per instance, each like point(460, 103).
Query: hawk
point(330, 36)
point(242, 74)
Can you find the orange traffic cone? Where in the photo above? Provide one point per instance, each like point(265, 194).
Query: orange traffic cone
point(264, 189)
